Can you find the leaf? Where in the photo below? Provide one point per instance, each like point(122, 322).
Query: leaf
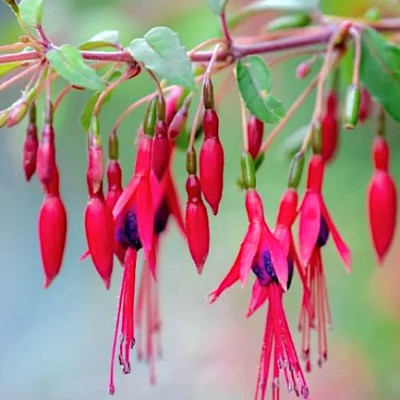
point(6, 68)
point(68, 62)
point(380, 71)
point(298, 5)
point(86, 116)
point(13, 5)
point(31, 12)
point(217, 6)
point(289, 21)
point(254, 82)
point(161, 52)
point(291, 145)
point(102, 39)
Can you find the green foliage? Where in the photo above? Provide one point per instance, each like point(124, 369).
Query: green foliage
point(161, 51)
point(31, 12)
point(217, 6)
point(68, 62)
point(254, 82)
point(102, 39)
point(289, 21)
point(380, 70)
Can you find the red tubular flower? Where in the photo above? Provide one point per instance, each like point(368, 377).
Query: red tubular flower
point(52, 231)
point(46, 156)
point(365, 105)
point(114, 180)
point(197, 229)
point(30, 150)
point(315, 226)
point(382, 201)
point(265, 256)
point(211, 161)
point(95, 170)
point(312, 210)
point(330, 128)
point(138, 192)
point(160, 156)
point(255, 133)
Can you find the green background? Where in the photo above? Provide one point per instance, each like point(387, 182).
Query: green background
point(55, 344)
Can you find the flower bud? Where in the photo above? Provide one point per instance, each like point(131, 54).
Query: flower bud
point(30, 150)
point(380, 154)
point(365, 105)
point(46, 156)
point(95, 169)
point(17, 112)
point(352, 106)
point(99, 230)
point(197, 228)
point(248, 171)
point(296, 170)
point(177, 125)
point(160, 156)
point(330, 129)
point(52, 236)
point(303, 69)
point(382, 209)
point(255, 133)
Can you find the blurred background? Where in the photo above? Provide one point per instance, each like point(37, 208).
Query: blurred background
point(55, 344)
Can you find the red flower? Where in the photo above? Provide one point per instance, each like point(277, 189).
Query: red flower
point(197, 229)
point(52, 230)
point(138, 193)
point(315, 226)
point(330, 128)
point(30, 150)
point(46, 156)
point(211, 161)
point(263, 254)
point(382, 201)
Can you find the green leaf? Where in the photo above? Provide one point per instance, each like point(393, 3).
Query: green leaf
point(254, 82)
point(161, 52)
point(380, 71)
point(102, 39)
point(31, 12)
point(68, 62)
point(6, 68)
point(87, 113)
point(217, 6)
point(289, 21)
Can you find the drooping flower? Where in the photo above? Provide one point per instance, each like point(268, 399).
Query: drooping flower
point(52, 230)
point(262, 253)
point(315, 226)
point(138, 192)
point(31, 145)
point(330, 128)
point(382, 200)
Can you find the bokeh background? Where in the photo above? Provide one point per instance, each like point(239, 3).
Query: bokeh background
point(55, 344)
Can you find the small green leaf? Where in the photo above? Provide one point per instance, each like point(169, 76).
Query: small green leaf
point(102, 39)
point(289, 21)
point(6, 68)
point(161, 52)
point(217, 6)
point(380, 71)
point(68, 62)
point(254, 82)
point(31, 12)
point(87, 113)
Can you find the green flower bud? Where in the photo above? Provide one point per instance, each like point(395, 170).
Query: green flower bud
point(296, 170)
point(352, 106)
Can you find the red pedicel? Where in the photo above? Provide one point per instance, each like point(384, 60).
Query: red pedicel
point(197, 229)
point(211, 161)
point(255, 133)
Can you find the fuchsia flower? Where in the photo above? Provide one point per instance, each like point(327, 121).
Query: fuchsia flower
point(366, 105)
point(255, 134)
point(262, 253)
point(160, 156)
point(330, 128)
point(138, 193)
point(315, 226)
point(382, 200)
point(30, 150)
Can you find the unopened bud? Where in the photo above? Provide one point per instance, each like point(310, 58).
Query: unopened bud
point(296, 170)
point(352, 106)
point(248, 171)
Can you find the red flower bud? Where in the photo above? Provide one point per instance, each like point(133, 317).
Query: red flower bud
point(211, 162)
point(303, 69)
point(46, 156)
point(160, 156)
point(316, 168)
point(30, 150)
point(95, 169)
point(330, 129)
point(197, 228)
point(99, 230)
point(255, 133)
point(114, 179)
point(382, 209)
point(178, 123)
point(380, 153)
point(365, 105)
point(52, 236)
point(171, 104)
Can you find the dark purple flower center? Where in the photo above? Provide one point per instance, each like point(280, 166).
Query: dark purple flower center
point(161, 217)
point(323, 234)
point(128, 234)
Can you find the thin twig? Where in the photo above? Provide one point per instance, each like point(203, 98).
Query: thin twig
point(19, 76)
